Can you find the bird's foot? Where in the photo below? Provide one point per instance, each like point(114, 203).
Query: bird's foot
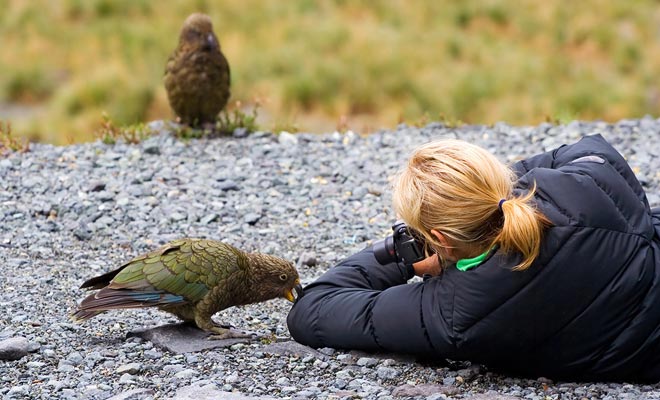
point(223, 334)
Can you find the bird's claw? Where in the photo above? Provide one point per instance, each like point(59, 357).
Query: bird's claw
point(221, 326)
point(232, 334)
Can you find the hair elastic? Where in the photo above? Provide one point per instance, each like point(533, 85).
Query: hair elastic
point(499, 205)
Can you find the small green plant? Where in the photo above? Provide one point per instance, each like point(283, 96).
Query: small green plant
point(285, 124)
point(9, 143)
point(562, 117)
point(450, 122)
point(228, 121)
point(185, 132)
point(109, 133)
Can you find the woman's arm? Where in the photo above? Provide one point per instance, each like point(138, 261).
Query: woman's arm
point(360, 304)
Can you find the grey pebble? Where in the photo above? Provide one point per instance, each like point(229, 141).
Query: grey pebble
point(252, 218)
point(132, 368)
point(207, 219)
point(126, 378)
point(386, 373)
point(185, 374)
point(64, 366)
point(228, 185)
point(367, 362)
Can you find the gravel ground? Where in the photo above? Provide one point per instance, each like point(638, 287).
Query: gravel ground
point(69, 213)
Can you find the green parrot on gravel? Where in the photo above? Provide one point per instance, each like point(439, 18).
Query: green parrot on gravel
point(192, 279)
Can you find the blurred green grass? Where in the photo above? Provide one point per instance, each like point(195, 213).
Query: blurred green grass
point(312, 64)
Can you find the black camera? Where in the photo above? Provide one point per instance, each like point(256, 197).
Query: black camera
point(402, 246)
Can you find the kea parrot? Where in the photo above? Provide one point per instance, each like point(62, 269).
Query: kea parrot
point(192, 279)
point(197, 73)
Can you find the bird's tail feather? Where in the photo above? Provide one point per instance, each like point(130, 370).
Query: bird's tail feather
point(108, 299)
point(82, 315)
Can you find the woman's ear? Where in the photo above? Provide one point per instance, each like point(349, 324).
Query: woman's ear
point(447, 248)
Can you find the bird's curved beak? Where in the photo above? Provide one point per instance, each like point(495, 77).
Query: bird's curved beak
point(210, 42)
point(290, 295)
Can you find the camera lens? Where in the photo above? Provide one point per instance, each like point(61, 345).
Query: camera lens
point(384, 251)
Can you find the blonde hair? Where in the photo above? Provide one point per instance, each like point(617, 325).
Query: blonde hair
point(455, 188)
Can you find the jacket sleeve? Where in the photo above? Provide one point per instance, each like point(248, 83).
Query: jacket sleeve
point(360, 304)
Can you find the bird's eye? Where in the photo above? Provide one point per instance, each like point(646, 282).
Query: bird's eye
point(283, 277)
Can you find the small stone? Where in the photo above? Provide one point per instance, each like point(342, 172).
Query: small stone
point(345, 358)
point(386, 373)
point(74, 358)
point(228, 185)
point(340, 384)
point(64, 366)
point(33, 347)
point(152, 148)
point(132, 368)
point(14, 348)
point(252, 218)
point(35, 364)
point(185, 374)
point(96, 186)
point(83, 232)
point(233, 378)
point(177, 216)
point(105, 196)
point(287, 139)
point(153, 354)
point(288, 389)
point(17, 392)
point(209, 218)
point(50, 353)
point(328, 351)
point(367, 361)
point(240, 133)
point(126, 378)
point(173, 369)
point(307, 259)
point(55, 384)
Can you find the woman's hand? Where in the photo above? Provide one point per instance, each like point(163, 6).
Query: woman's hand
point(429, 265)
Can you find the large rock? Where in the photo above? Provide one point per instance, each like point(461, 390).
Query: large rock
point(14, 348)
point(184, 338)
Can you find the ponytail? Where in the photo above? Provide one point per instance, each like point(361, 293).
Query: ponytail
point(522, 229)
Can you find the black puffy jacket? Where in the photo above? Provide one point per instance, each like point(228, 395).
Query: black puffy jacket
point(587, 309)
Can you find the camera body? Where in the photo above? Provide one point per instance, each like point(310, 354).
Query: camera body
point(401, 246)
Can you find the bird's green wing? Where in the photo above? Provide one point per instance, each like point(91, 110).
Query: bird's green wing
point(185, 267)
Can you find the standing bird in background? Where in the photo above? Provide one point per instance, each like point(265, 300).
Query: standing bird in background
point(192, 279)
point(197, 73)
